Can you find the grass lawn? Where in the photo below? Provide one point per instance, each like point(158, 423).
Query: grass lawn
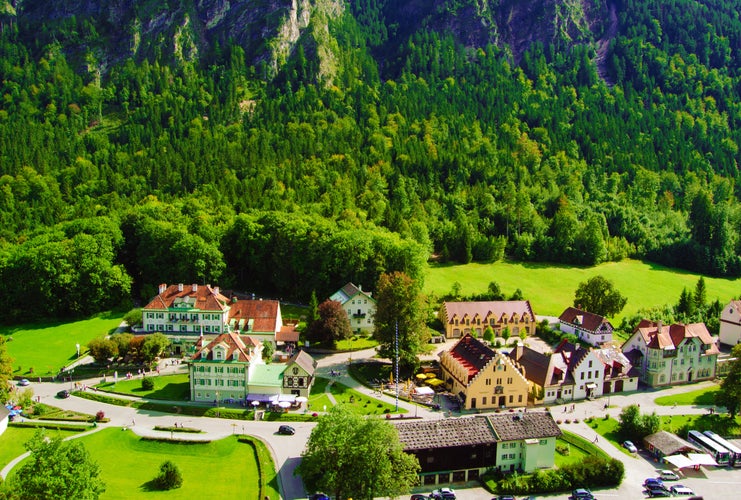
point(360, 343)
point(47, 347)
point(566, 453)
point(13, 439)
point(318, 398)
point(128, 463)
point(550, 287)
point(166, 387)
point(699, 397)
point(360, 403)
point(608, 429)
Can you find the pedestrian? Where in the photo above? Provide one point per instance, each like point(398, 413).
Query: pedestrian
point(133, 422)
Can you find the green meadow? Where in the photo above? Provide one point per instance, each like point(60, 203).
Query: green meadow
point(550, 287)
point(48, 346)
point(128, 463)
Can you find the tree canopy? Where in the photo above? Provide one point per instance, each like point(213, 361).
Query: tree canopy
point(57, 470)
point(364, 454)
point(399, 314)
point(598, 295)
point(6, 370)
point(729, 394)
point(332, 324)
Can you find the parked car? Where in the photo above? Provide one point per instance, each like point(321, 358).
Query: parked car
point(63, 394)
point(504, 497)
point(24, 382)
point(581, 494)
point(317, 496)
point(286, 430)
point(679, 489)
point(668, 475)
point(658, 492)
point(443, 494)
point(417, 496)
point(628, 445)
point(652, 482)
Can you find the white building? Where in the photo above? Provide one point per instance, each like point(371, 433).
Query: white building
point(359, 305)
point(730, 323)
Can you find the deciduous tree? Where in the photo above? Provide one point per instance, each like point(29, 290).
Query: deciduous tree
point(102, 349)
point(154, 345)
point(58, 470)
point(354, 456)
point(398, 306)
point(729, 394)
point(332, 325)
point(6, 370)
point(599, 296)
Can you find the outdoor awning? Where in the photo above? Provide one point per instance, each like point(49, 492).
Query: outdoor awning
point(263, 398)
point(680, 461)
point(702, 459)
point(591, 385)
point(424, 391)
point(291, 398)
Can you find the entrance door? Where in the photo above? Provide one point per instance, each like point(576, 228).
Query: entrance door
point(619, 385)
point(502, 400)
point(689, 375)
point(473, 402)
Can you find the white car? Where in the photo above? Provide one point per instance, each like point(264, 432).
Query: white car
point(24, 382)
point(668, 475)
point(678, 489)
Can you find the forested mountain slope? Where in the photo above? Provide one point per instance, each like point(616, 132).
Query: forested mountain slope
point(288, 146)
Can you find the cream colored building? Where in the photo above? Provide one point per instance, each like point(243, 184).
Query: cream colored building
point(463, 318)
point(730, 323)
point(481, 377)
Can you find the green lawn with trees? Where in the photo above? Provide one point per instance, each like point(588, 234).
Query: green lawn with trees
point(700, 397)
point(13, 439)
point(166, 387)
point(129, 462)
point(48, 346)
point(551, 287)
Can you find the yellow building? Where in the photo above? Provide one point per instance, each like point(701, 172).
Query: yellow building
point(462, 318)
point(481, 377)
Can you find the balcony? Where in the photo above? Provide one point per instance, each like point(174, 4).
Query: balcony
point(358, 315)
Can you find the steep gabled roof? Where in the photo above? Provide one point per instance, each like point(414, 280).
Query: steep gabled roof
point(287, 333)
point(572, 354)
point(669, 443)
point(540, 368)
point(472, 354)
point(201, 297)
point(586, 320)
point(259, 316)
point(659, 336)
point(304, 360)
point(231, 342)
point(349, 291)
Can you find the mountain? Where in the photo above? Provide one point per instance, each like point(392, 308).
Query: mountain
point(178, 133)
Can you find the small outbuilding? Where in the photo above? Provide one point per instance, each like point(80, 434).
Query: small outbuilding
point(663, 444)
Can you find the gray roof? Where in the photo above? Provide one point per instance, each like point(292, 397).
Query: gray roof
point(467, 431)
point(668, 443)
point(304, 360)
point(4, 412)
point(527, 425)
point(446, 433)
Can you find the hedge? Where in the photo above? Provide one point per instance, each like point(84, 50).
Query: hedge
point(51, 425)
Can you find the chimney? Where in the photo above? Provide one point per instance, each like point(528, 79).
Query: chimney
point(360, 287)
point(180, 287)
point(660, 326)
point(163, 287)
point(195, 287)
point(519, 350)
point(216, 290)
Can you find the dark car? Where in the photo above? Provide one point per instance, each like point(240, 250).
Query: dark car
point(63, 394)
point(417, 496)
point(286, 430)
point(315, 496)
point(654, 483)
point(504, 497)
point(581, 494)
point(443, 494)
point(658, 492)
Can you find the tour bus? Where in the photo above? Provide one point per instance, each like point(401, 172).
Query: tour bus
point(735, 451)
point(721, 455)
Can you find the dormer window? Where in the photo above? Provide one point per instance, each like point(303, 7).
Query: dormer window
point(235, 356)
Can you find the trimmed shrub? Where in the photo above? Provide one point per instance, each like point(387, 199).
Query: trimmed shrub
point(169, 477)
point(147, 384)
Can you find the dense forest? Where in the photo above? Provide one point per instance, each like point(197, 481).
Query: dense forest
point(416, 143)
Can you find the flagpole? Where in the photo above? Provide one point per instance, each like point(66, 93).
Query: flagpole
point(396, 347)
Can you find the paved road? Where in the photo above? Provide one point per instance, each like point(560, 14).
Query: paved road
point(287, 450)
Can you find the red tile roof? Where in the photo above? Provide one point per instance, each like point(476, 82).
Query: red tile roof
point(287, 333)
point(201, 297)
point(233, 343)
point(586, 320)
point(263, 313)
point(658, 336)
point(471, 354)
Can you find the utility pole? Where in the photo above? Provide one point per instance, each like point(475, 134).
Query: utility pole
point(396, 348)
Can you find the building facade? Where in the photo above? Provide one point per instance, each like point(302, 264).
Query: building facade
point(588, 327)
point(672, 354)
point(187, 312)
point(481, 377)
point(359, 305)
point(464, 318)
point(730, 323)
point(458, 450)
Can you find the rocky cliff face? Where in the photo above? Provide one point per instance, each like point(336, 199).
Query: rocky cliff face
point(269, 30)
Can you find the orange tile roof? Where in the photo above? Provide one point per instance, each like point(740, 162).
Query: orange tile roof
point(201, 297)
point(232, 342)
point(471, 354)
point(658, 336)
point(263, 313)
point(497, 309)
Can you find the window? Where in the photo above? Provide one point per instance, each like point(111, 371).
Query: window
point(289, 381)
point(511, 398)
point(590, 364)
point(582, 375)
point(488, 381)
point(512, 456)
point(504, 456)
point(543, 442)
point(519, 398)
point(483, 400)
point(301, 381)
